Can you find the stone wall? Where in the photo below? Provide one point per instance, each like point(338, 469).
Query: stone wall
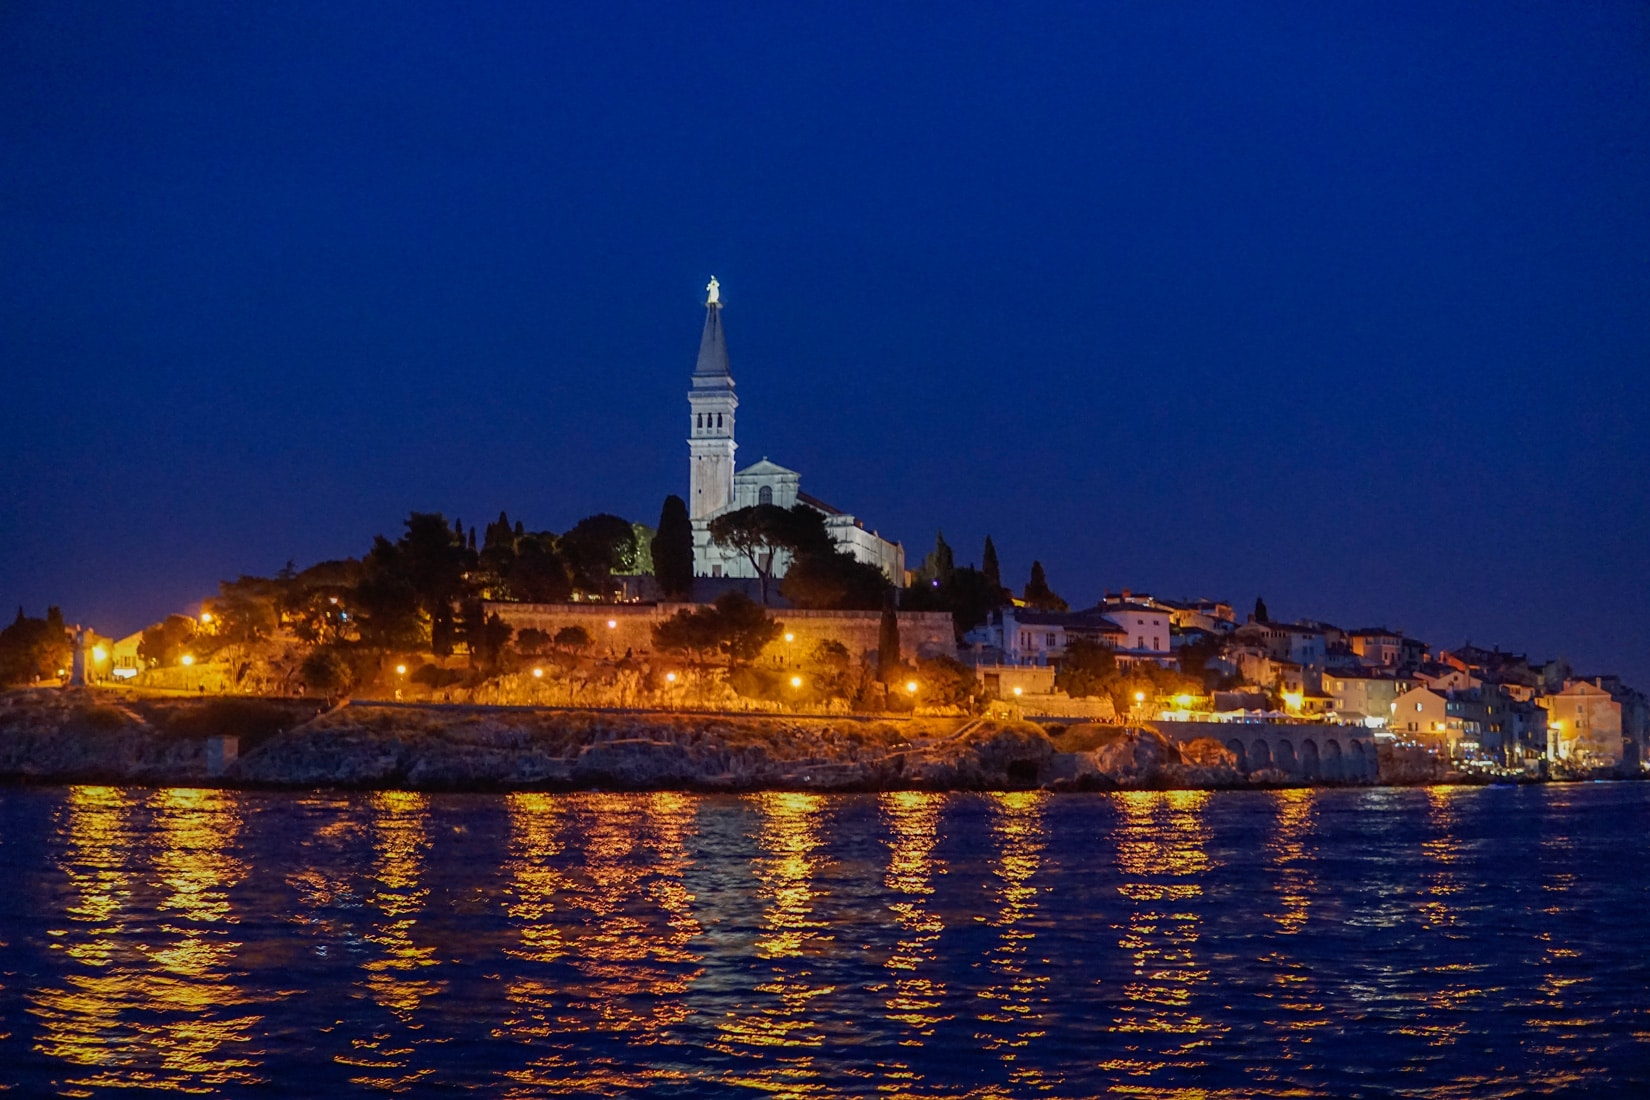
point(617, 628)
point(1303, 751)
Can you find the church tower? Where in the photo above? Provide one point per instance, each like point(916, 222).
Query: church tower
point(711, 445)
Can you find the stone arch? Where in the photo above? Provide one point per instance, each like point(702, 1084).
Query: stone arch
point(1311, 765)
point(1357, 760)
point(1236, 748)
point(1260, 755)
point(1332, 767)
point(1285, 753)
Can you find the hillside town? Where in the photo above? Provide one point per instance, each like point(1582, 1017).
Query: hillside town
point(753, 595)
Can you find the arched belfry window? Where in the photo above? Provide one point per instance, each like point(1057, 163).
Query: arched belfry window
point(718, 420)
point(764, 495)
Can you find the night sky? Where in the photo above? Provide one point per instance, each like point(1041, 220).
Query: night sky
point(1343, 305)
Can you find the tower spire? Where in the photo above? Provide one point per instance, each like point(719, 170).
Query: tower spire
point(713, 348)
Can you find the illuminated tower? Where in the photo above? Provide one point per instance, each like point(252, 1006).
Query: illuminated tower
point(711, 445)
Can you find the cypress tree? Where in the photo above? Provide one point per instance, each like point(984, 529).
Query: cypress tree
point(1260, 610)
point(988, 565)
point(888, 656)
point(673, 548)
point(1038, 595)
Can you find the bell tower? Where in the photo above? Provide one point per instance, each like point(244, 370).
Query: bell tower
point(712, 402)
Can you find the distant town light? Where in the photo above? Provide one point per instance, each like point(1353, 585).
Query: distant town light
point(99, 653)
point(206, 616)
point(1140, 697)
point(1019, 690)
point(796, 681)
point(670, 677)
point(911, 687)
point(612, 623)
point(1293, 699)
point(187, 659)
point(538, 674)
point(400, 670)
point(1183, 701)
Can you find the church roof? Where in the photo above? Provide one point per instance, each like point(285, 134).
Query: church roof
point(766, 468)
point(713, 348)
point(819, 505)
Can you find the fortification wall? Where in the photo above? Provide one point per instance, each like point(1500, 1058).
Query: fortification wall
point(616, 628)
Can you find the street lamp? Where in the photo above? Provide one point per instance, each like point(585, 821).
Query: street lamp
point(670, 677)
point(186, 660)
point(538, 674)
point(796, 681)
point(400, 670)
point(910, 687)
point(1018, 691)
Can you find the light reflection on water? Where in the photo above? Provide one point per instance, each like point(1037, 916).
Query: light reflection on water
point(1432, 943)
point(1162, 863)
point(158, 1005)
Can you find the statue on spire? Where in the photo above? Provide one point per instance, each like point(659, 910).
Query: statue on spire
point(714, 289)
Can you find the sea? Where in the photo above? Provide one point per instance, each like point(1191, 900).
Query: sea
point(1446, 942)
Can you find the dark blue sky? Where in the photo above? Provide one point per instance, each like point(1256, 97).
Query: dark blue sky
point(1346, 305)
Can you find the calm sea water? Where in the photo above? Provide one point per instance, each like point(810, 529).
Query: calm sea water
point(1435, 943)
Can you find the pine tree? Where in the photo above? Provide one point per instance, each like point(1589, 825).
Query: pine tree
point(1038, 596)
point(673, 548)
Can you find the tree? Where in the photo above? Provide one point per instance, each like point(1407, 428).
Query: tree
point(531, 641)
point(735, 625)
point(759, 533)
point(537, 573)
point(673, 549)
point(966, 593)
point(988, 565)
point(1260, 611)
point(947, 682)
point(937, 566)
point(166, 642)
point(1038, 595)
point(1087, 669)
point(572, 639)
point(33, 648)
point(596, 548)
point(834, 582)
point(327, 672)
point(244, 611)
point(746, 628)
point(888, 656)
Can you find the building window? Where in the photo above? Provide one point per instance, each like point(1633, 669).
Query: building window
point(764, 495)
point(718, 420)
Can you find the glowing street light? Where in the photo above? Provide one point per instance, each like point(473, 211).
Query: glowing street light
point(1018, 691)
point(99, 654)
point(612, 624)
point(187, 659)
point(206, 617)
point(670, 677)
point(538, 674)
point(400, 670)
point(1140, 697)
point(910, 687)
point(789, 637)
point(796, 681)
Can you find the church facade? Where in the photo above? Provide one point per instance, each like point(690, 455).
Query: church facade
point(716, 485)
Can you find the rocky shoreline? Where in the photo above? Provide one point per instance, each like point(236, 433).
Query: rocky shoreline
point(57, 736)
